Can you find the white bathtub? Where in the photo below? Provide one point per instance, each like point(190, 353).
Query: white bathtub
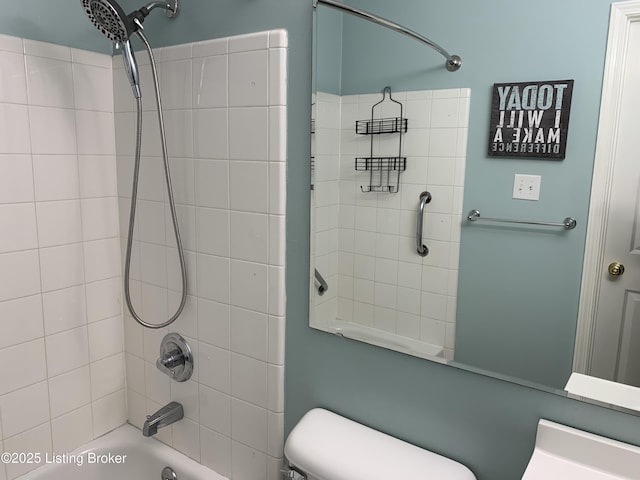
point(123, 454)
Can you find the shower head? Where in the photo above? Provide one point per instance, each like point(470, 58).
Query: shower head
point(110, 19)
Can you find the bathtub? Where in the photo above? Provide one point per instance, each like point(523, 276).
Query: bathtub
point(121, 454)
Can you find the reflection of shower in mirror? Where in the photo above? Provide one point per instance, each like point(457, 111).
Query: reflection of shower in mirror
point(365, 243)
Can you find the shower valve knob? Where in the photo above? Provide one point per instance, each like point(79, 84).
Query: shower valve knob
point(176, 359)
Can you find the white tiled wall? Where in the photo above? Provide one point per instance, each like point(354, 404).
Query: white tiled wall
point(61, 337)
point(326, 201)
point(225, 112)
point(368, 241)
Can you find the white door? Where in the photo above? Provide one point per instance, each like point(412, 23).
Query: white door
point(608, 340)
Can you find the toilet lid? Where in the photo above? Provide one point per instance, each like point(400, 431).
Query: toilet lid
point(327, 446)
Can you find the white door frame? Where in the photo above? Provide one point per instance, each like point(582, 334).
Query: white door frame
point(622, 15)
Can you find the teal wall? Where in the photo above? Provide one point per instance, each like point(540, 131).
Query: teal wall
point(60, 21)
point(518, 287)
point(483, 422)
point(328, 51)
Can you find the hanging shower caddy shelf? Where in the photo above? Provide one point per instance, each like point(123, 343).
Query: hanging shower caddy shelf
point(384, 171)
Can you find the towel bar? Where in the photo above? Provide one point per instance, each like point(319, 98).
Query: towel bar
point(568, 223)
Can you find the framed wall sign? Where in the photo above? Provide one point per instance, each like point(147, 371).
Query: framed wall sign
point(530, 119)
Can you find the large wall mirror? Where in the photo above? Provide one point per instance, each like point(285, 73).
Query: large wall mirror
point(399, 159)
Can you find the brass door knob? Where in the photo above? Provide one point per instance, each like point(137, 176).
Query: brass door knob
point(616, 269)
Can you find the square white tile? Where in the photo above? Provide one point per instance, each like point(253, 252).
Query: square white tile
point(24, 409)
point(95, 133)
point(252, 122)
point(249, 79)
point(67, 351)
point(214, 323)
point(53, 131)
point(62, 266)
point(249, 333)
point(249, 237)
point(70, 391)
point(64, 309)
point(56, 177)
point(13, 83)
point(14, 128)
point(22, 320)
point(176, 84)
point(93, 88)
point(213, 278)
point(109, 412)
point(59, 223)
point(212, 231)
point(215, 451)
point(16, 179)
point(20, 220)
point(214, 366)
point(211, 139)
point(107, 376)
point(248, 188)
point(106, 340)
point(210, 81)
point(250, 285)
point(19, 274)
point(72, 430)
point(32, 372)
point(215, 410)
point(104, 299)
point(102, 259)
point(249, 424)
point(50, 82)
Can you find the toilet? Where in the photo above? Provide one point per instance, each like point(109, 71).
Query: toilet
point(326, 446)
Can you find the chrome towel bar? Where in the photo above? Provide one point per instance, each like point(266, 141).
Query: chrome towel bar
point(568, 223)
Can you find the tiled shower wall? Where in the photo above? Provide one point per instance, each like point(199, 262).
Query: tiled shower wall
point(368, 240)
point(61, 349)
point(325, 177)
point(225, 113)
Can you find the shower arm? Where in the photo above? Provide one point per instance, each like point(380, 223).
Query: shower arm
point(172, 8)
point(454, 62)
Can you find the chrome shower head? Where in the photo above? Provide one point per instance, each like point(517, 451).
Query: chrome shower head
point(115, 24)
point(109, 18)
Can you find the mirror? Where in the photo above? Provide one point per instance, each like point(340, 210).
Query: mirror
point(498, 298)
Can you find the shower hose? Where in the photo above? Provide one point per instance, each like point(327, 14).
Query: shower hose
point(134, 196)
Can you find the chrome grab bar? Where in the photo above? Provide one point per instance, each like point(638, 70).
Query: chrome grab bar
point(568, 223)
point(423, 251)
point(454, 62)
point(322, 283)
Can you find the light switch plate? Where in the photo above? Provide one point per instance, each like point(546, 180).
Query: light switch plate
point(526, 187)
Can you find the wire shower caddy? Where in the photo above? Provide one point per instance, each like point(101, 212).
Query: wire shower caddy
point(384, 171)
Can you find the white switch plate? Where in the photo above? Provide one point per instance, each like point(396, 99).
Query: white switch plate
point(526, 187)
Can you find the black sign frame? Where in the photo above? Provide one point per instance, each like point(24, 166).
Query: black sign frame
point(530, 119)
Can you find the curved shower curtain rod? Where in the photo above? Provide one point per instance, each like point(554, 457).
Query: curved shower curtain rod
point(454, 62)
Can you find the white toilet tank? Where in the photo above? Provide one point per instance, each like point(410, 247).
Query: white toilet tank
point(326, 446)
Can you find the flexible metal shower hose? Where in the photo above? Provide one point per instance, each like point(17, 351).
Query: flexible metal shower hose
point(134, 195)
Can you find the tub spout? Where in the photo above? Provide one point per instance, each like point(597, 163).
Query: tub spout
point(170, 413)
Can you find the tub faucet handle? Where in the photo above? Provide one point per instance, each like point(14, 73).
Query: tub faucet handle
point(176, 359)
